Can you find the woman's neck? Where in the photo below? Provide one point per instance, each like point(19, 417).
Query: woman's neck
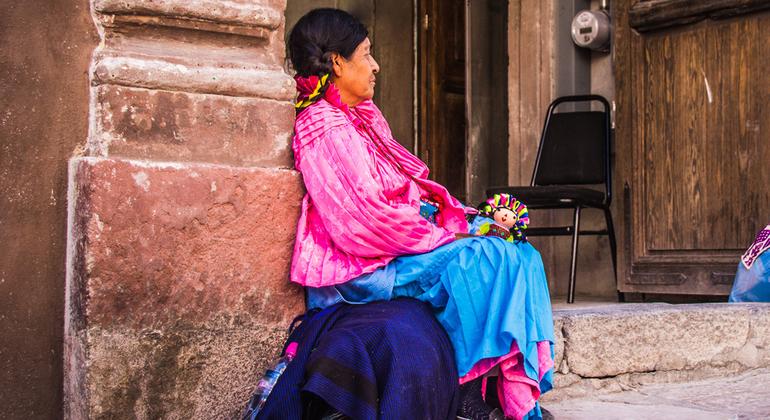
point(349, 100)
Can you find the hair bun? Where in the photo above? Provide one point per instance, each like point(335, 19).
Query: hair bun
point(315, 60)
point(321, 33)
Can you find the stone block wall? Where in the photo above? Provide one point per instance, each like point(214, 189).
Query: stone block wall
point(620, 347)
point(182, 211)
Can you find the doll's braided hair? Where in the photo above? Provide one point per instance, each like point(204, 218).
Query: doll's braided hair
point(507, 201)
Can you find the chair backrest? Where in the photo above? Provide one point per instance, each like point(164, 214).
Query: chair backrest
point(574, 146)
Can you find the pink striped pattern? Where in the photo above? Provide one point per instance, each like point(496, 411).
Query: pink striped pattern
point(362, 204)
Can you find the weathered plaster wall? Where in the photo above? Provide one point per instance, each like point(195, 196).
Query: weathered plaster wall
point(182, 212)
point(45, 49)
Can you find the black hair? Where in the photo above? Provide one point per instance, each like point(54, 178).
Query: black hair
point(320, 33)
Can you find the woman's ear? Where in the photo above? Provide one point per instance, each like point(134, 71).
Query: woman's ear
point(336, 65)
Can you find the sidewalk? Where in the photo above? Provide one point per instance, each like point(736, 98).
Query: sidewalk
point(745, 396)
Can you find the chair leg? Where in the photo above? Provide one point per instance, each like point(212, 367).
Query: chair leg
point(613, 244)
point(573, 263)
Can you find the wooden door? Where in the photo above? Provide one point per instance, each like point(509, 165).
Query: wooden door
point(486, 96)
point(442, 120)
point(692, 140)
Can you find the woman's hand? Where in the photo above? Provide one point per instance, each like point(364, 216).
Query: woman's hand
point(463, 235)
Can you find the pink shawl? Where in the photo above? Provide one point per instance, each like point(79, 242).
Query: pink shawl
point(362, 204)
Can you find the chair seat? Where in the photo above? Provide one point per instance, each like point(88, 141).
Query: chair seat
point(554, 196)
point(573, 161)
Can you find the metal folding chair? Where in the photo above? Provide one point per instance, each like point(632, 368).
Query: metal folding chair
point(574, 152)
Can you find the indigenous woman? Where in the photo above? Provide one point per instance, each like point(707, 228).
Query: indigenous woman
point(374, 227)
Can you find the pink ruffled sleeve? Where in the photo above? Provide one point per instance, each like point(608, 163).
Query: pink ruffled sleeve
point(338, 172)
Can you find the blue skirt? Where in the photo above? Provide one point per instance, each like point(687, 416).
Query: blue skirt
point(485, 292)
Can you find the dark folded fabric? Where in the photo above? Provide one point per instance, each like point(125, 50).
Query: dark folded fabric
point(382, 360)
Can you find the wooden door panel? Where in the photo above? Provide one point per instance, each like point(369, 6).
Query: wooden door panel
point(449, 157)
point(673, 140)
point(694, 107)
point(442, 92)
point(448, 141)
point(739, 150)
point(702, 136)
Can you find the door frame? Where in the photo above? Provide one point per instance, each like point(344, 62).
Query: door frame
point(486, 120)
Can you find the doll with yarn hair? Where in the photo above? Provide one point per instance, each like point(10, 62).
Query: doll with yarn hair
point(510, 217)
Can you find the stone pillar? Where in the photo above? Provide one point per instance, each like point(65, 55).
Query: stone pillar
point(182, 211)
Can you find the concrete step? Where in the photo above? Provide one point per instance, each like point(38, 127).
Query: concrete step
point(744, 396)
point(605, 348)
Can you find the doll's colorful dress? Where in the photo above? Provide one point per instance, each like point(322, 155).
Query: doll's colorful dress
point(361, 238)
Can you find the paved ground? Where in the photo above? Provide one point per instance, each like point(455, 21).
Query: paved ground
point(745, 396)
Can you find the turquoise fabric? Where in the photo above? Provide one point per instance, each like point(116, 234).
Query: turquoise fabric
point(365, 288)
point(487, 292)
point(369, 287)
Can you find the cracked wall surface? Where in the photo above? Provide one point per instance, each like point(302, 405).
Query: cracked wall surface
point(620, 347)
point(182, 211)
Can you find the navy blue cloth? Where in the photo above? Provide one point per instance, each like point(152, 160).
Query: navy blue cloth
point(384, 360)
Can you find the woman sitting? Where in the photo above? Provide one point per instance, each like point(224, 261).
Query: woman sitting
point(361, 236)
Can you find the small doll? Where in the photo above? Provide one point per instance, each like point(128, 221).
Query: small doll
point(510, 216)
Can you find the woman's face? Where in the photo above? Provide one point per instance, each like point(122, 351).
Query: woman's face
point(355, 78)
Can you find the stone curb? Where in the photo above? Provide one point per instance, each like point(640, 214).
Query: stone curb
point(609, 348)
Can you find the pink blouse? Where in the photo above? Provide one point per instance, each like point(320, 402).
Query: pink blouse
point(363, 196)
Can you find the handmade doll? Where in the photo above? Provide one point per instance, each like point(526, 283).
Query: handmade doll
point(510, 216)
